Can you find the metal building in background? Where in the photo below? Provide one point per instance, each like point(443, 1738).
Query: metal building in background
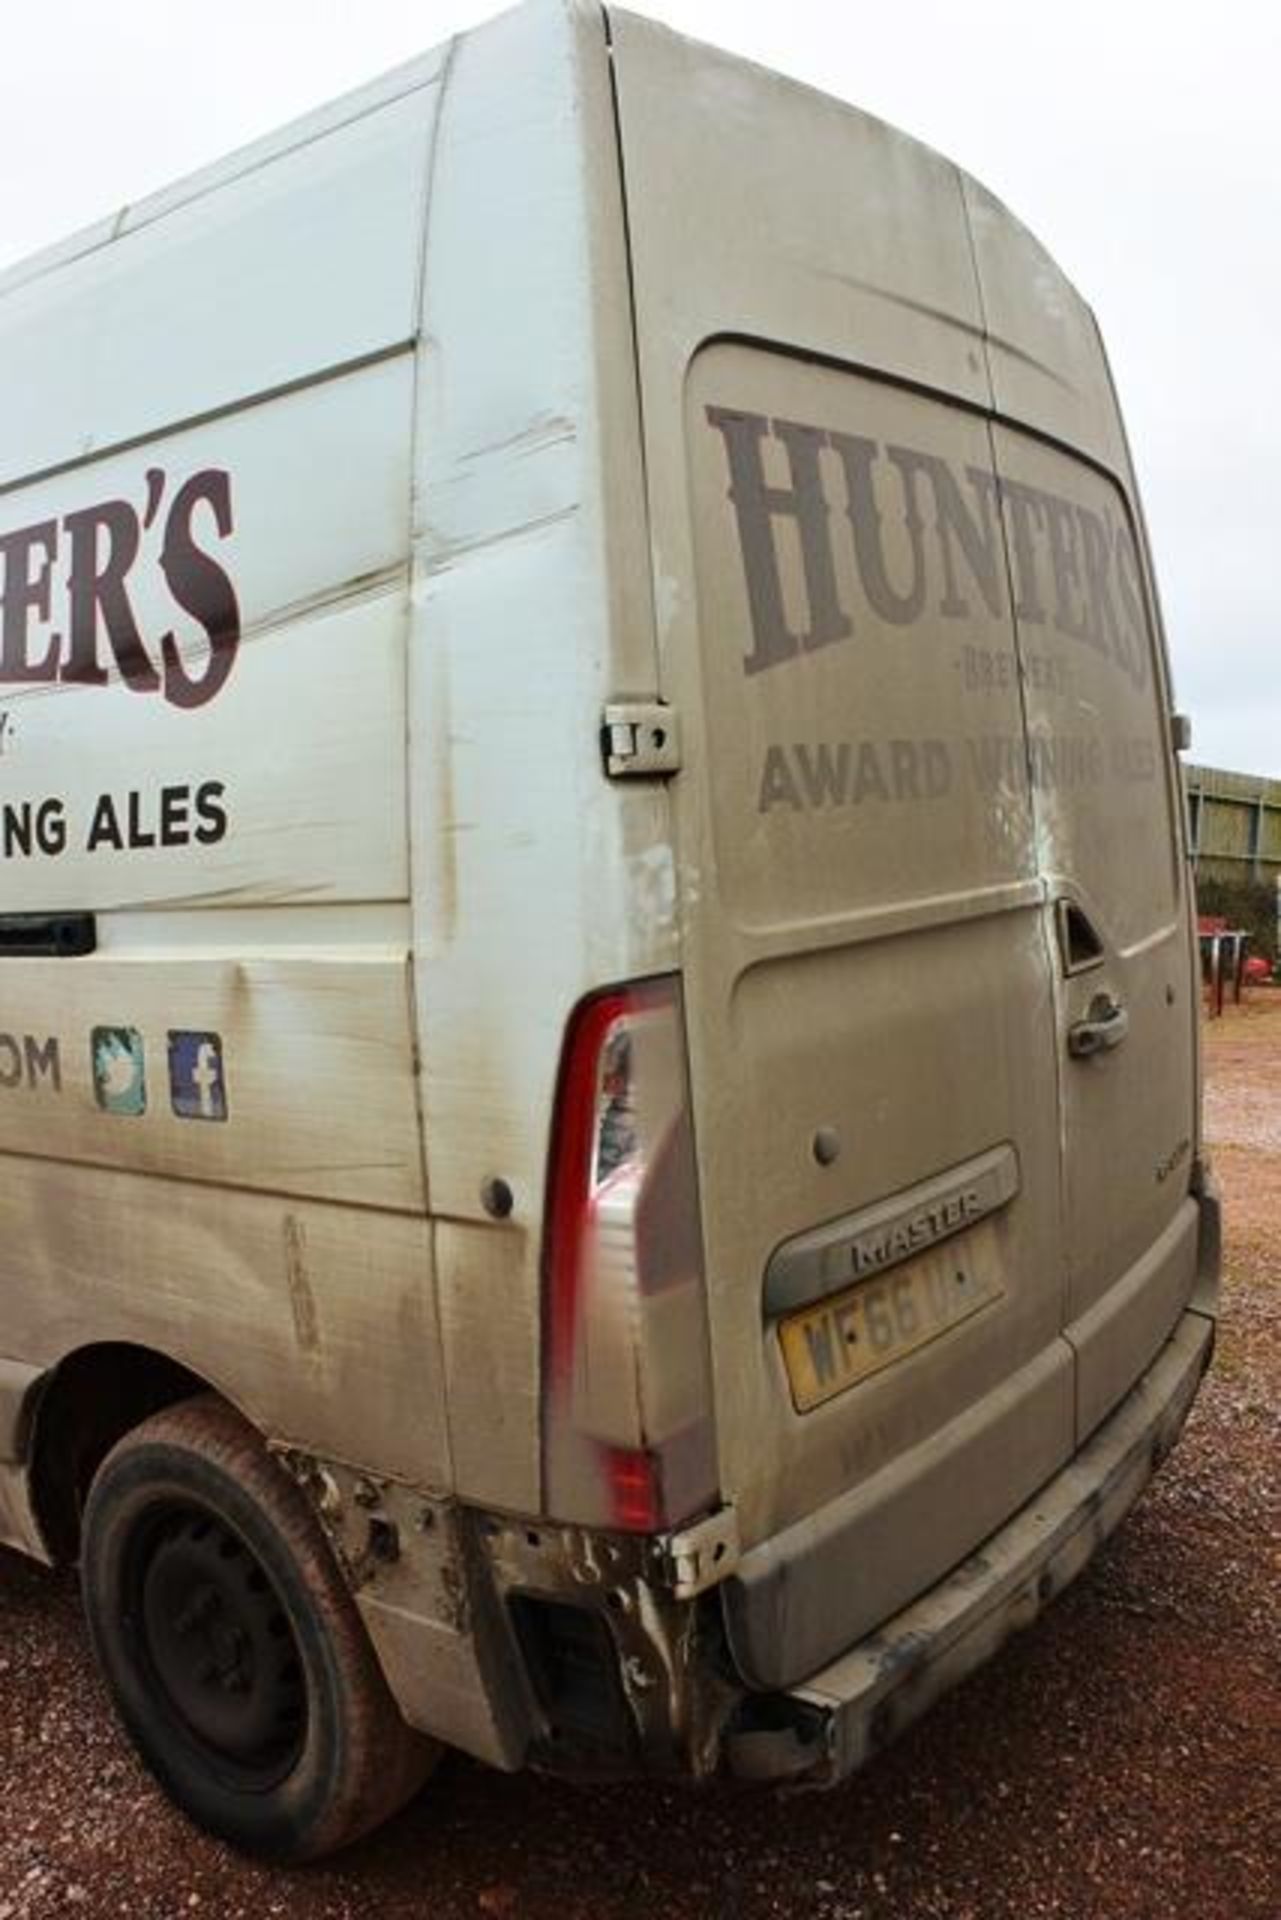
point(1234, 824)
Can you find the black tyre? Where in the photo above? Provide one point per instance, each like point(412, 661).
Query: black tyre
point(234, 1652)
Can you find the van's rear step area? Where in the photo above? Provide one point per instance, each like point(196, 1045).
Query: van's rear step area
point(821, 1730)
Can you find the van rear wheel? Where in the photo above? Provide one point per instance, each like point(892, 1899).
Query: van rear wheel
point(231, 1646)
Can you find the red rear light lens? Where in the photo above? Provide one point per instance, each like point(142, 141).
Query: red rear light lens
point(627, 1428)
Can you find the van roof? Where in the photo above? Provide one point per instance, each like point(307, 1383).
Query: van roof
point(1031, 317)
point(422, 70)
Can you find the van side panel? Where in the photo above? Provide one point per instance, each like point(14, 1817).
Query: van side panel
point(534, 878)
point(210, 1126)
point(300, 1312)
point(286, 1015)
point(268, 270)
point(209, 1129)
point(324, 766)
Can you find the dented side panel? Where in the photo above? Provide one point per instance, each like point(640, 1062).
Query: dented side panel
point(256, 1059)
point(534, 879)
point(310, 626)
point(210, 1134)
point(316, 1319)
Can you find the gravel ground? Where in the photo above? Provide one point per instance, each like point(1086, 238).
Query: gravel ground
point(1120, 1760)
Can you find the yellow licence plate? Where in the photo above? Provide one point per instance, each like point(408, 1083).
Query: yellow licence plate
point(872, 1324)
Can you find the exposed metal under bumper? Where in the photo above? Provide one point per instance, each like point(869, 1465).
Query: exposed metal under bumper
point(825, 1727)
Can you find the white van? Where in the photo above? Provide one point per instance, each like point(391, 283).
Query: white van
point(599, 1153)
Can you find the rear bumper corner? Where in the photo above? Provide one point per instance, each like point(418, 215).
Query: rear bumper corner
point(825, 1727)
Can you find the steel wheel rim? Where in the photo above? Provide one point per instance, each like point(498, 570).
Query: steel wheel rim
point(215, 1645)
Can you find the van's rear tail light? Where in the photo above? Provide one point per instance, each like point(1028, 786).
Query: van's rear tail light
point(628, 1439)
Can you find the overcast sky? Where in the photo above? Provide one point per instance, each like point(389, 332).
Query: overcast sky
point(1141, 142)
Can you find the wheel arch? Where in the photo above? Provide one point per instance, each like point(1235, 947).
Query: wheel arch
point(188, 1518)
point(83, 1405)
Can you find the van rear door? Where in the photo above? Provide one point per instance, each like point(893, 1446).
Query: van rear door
point(869, 988)
point(1108, 811)
point(1105, 808)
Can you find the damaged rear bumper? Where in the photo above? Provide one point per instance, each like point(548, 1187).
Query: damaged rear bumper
point(828, 1725)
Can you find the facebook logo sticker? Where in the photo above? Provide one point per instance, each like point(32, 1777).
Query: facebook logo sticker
point(197, 1085)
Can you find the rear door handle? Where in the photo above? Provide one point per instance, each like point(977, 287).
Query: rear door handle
point(1105, 1026)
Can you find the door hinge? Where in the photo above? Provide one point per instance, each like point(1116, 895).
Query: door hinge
point(640, 738)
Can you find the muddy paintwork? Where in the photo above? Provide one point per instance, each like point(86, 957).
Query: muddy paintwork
point(352, 493)
point(927, 662)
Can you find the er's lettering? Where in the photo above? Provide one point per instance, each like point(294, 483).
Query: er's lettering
point(69, 594)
